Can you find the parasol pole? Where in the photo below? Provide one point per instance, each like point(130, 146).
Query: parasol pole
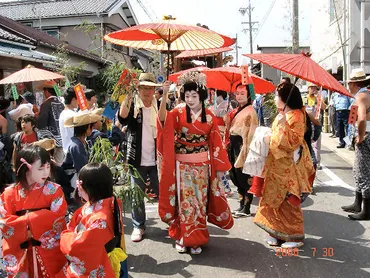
point(168, 60)
point(168, 52)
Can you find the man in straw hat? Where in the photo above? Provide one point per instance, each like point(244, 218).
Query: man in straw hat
point(48, 118)
point(77, 155)
point(311, 107)
point(139, 114)
point(361, 170)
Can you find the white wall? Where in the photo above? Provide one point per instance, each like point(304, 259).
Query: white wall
point(324, 34)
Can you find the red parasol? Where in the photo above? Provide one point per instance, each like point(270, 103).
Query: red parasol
point(301, 66)
point(202, 52)
point(233, 76)
point(226, 78)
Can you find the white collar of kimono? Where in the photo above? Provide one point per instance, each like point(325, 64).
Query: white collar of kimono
point(196, 115)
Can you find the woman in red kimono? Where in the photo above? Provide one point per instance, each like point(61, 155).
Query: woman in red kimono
point(191, 167)
point(32, 218)
point(94, 243)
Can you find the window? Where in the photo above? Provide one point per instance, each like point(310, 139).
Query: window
point(52, 32)
point(29, 24)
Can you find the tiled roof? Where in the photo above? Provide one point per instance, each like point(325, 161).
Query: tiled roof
point(23, 10)
point(26, 53)
point(5, 35)
point(42, 38)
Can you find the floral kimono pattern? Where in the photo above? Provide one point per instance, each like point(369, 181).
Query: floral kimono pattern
point(41, 210)
point(83, 243)
point(279, 211)
point(190, 193)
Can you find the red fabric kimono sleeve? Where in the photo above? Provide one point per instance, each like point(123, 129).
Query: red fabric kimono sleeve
point(218, 210)
point(85, 250)
point(12, 226)
point(166, 161)
point(53, 219)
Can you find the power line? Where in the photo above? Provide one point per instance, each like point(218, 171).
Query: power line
point(265, 18)
point(146, 10)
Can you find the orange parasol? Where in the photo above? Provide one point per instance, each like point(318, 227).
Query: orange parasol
point(30, 74)
point(301, 66)
point(168, 37)
point(202, 52)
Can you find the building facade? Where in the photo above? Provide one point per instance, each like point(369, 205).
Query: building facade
point(340, 35)
point(82, 23)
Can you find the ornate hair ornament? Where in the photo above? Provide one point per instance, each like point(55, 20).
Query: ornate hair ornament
point(24, 162)
point(193, 76)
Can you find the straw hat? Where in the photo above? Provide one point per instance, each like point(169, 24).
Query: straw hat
point(310, 84)
point(98, 111)
point(358, 75)
point(148, 79)
point(47, 144)
point(82, 119)
point(47, 84)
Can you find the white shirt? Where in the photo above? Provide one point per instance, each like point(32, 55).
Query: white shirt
point(66, 132)
point(147, 140)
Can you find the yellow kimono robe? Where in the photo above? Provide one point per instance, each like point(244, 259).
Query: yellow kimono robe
point(284, 177)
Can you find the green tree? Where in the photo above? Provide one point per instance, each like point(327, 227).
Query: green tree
point(64, 65)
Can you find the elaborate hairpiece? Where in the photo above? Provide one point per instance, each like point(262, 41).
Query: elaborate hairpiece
point(193, 76)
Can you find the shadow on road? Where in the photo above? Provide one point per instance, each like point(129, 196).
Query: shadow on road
point(341, 191)
point(334, 248)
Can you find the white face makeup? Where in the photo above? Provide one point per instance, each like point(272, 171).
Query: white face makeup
point(192, 99)
point(279, 103)
point(241, 94)
point(38, 173)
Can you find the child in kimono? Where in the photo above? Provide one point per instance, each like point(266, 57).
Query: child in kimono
point(94, 242)
point(32, 218)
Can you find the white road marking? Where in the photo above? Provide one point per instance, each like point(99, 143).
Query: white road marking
point(331, 260)
point(335, 180)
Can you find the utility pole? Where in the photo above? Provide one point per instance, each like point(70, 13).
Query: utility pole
point(250, 23)
point(295, 25)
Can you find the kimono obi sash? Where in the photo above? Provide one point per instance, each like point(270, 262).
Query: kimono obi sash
point(191, 143)
point(23, 212)
point(202, 157)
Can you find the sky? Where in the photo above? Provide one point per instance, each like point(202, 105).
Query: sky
point(224, 17)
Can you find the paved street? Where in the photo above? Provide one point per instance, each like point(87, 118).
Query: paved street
point(335, 246)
